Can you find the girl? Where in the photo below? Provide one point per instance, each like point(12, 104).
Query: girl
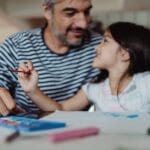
point(123, 86)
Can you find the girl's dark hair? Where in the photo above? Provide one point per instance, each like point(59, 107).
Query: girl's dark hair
point(136, 40)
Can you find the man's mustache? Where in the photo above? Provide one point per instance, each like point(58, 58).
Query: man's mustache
point(78, 30)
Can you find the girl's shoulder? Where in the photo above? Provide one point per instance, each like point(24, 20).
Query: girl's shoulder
point(93, 91)
point(93, 87)
point(143, 84)
point(144, 76)
point(143, 80)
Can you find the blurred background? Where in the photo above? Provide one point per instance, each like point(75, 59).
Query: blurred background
point(19, 15)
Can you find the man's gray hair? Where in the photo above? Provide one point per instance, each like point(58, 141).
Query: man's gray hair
point(49, 3)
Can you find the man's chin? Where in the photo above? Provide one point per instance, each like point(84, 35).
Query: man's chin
point(75, 43)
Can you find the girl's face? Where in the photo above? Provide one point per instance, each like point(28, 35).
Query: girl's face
point(107, 53)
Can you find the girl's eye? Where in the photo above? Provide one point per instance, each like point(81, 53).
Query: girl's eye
point(105, 40)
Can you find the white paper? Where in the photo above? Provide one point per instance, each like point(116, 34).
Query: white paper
point(107, 123)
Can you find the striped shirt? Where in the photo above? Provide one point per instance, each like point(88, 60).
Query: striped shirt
point(60, 76)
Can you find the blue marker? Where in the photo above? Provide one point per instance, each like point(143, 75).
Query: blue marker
point(133, 116)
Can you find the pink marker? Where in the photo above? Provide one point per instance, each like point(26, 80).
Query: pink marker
point(73, 134)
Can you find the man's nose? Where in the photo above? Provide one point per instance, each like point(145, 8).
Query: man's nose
point(82, 21)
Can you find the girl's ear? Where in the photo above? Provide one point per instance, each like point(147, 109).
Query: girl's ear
point(125, 56)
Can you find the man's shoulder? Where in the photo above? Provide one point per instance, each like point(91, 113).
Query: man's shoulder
point(23, 36)
point(96, 36)
point(26, 34)
point(93, 39)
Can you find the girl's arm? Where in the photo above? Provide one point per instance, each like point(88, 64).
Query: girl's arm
point(28, 79)
point(77, 102)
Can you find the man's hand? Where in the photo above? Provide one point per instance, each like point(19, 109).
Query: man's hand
point(7, 103)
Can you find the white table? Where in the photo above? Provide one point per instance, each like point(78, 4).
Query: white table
point(117, 133)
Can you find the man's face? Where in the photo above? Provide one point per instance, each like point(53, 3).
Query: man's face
point(69, 21)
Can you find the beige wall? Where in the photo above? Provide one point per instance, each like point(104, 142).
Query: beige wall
point(19, 15)
point(7, 26)
point(32, 8)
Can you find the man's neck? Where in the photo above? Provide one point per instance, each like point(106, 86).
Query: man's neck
point(53, 43)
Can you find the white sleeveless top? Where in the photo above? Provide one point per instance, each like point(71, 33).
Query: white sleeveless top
point(134, 98)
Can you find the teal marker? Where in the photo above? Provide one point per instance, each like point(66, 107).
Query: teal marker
point(133, 116)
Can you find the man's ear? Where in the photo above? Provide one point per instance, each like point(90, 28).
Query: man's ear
point(47, 12)
point(125, 56)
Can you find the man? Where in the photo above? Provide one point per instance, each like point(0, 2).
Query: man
point(62, 52)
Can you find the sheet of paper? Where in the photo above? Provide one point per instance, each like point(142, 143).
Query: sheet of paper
point(108, 123)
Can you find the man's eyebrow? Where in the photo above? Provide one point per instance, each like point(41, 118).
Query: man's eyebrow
point(74, 9)
point(90, 7)
point(69, 9)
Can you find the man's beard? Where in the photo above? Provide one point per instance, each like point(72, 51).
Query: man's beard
point(68, 42)
point(63, 38)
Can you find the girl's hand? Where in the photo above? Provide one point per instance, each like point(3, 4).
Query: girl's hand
point(28, 77)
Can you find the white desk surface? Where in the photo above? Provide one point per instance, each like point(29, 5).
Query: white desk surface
point(117, 133)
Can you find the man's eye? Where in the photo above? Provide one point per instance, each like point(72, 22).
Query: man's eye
point(70, 14)
point(87, 13)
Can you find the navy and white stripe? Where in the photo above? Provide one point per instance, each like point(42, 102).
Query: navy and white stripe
point(60, 76)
